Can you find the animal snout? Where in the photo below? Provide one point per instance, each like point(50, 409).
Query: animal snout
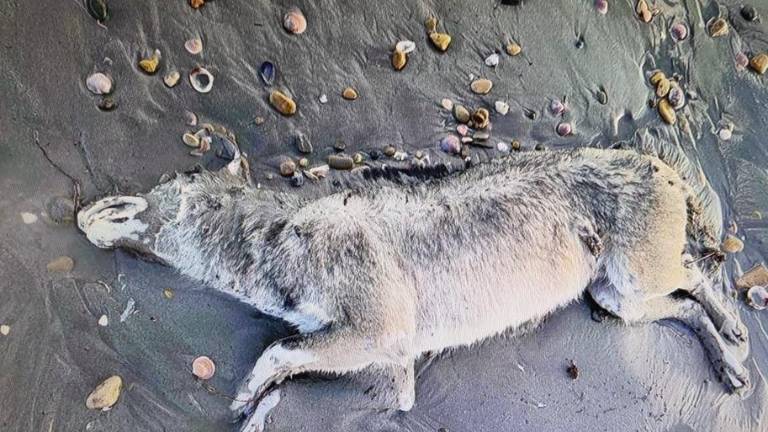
point(111, 220)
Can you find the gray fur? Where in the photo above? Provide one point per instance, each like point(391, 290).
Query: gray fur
point(382, 271)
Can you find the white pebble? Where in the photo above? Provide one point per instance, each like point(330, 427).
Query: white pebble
point(103, 321)
point(28, 218)
point(501, 107)
point(725, 134)
point(502, 147)
point(447, 104)
point(492, 60)
point(5, 329)
point(406, 46)
point(323, 98)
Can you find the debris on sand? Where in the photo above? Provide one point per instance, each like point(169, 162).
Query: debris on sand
point(194, 46)
point(717, 27)
point(501, 107)
point(150, 64)
point(441, 41)
point(481, 118)
point(168, 293)
point(203, 368)
point(106, 104)
point(99, 83)
point(572, 370)
point(399, 59)
point(349, 93)
point(564, 129)
point(759, 63)
point(196, 4)
point(103, 321)
point(294, 21)
point(492, 60)
point(201, 80)
point(62, 264)
point(106, 394)
point(513, 48)
point(287, 168)
point(757, 275)
point(481, 86)
point(282, 103)
point(666, 112)
point(267, 71)
point(450, 144)
point(341, 162)
point(5, 329)
point(97, 9)
point(601, 6)
point(679, 31)
point(130, 308)
point(556, 107)
point(757, 297)
point(172, 78)
point(406, 46)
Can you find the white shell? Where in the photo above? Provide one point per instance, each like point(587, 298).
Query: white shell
point(99, 83)
point(172, 78)
point(501, 107)
point(406, 46)
point(197, 75)
point(447, 104)
point(502, 147)
point(194, 46)
point(323, 98)
point(103, 321)
point(492, 60)
point(203, 368)
point(757, 297)
point(5, 329)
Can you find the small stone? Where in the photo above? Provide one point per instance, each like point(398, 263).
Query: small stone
point(757, 275)
point(171, 78)
point(667, 112)
point(62, 264)
point(460, 113)
point(150, 64)
point(323, 98)
point(662, 88)
point(656, 76)
point(501, 107)
point(28, 218)
point(194, 46)
point(759, 63)
point(462, 129)
point(340, 145)
point(168, 293)
point(287, 168)
point(267, 71)
point(191, 140)
point(399, 59)
point(513, 48)
point(106, 394)
point(572, 370)
point(465, 152)
point(757, 297)
point(430, 24)
point(447, 104)
point(564, 129)
point(725, 134)
point(303, 162)
point(516, 145)
point(467, 139)
point(375, 154)
point(103, 321)
point(203, 368)
point(643, 11)
point(97, 9)
point(539, 147)
point(481, 118)
point(676, 96)
point(5, 330)
point(602, 96)
point(389, 151)
point(294, 21)
point(481, 86)
point(679, 31)
point(492, 60)
point(341, 162)
point(201, 80)
point(303, 144)
point(319, 171)
point(349, 94)
point(748, 12)
point(531, 114)
point(190, 118)
point(717, 27)
point(480, 136)
point(196, 4)
point(405, 46)
point(99, 83)
point(282, 103)
point(297, 180)
point(556, 107)
point(107, 104)
point(502, 147)
point(601, 6)
point(741, 61)
point(259, 120)
point(440, 40)
point(732, 244)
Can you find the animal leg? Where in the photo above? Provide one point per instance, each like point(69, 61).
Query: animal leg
point(390, 386)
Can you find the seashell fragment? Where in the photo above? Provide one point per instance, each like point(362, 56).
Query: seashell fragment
point(732, 244)
point(757, 275)
point(267, 71)
point(481, 86)
point(430, 24)
point(513, 49)
point(481, 118)
point(676, 96)
point(501, 107)
point(441, 41)
point(601, 6)
point(97, 9)
point(172, 78)
point(406, 46)
point(294, 21)
point(492, 60)
point(564, 129)
point(99, 83)
point(282, 103)
point(196, 4)
point(194, 46)
point(666, 112)
point(150, 65)
point(103, 321)
point(190, 118)
point(679, 31)
point(643, 11)
point(556, 107)
point(717, 27)
point(191, 140)
point(5, 330)
point(203, 368)
point(741, 61)
point(106, 394)
point(399, 59)
point(349, 94)
point(662, 88)
point(201, 80)
point(757, 297)
point(759, 63)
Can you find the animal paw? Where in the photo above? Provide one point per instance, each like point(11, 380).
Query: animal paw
point(736, 377)
point(736, 333)
point(257, 421)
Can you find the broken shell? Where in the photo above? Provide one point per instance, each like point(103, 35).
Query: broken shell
point(679, 31)
point(406, 46)
point(441, 41)
point(480, 118)
point(267, 71)
point(757, 297)
point(201, 80)
point(106, 394)
point(303, 144)
point(446, 104)
point(103, 321)
point(450, 144)
point(732, 244)
point(107, 104)
point(431, 24)
point(656, 76)
point(203, 368)
point(759, 63)
point(556, 107)
point(194, 46)
point(191, 140)
point(349, 94)
point(676, 96)
point(662, 88)
point(757, 275)
point(149, 65)
point(190, 118)
point(666, 112)
point(97, 9)
point(341, 162)
point(5, 330)
point(643, 11)
point(501, 107)
point(171, 78)
point(725, 134)
point(460, 113)
point(513, 49)
point(399, 59)
point(601, 6)
point(481, 86)
point(287, 168)
point(294, 21)
point(323, 98)
point(741, 60)
point(99, 83)
point(62, 264)
point(168, 293)
point(492, 60)
point(717, 27)
point(564, 129)
point(462, 129)
point(502, 147)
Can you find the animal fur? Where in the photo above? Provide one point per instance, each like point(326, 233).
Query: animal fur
point(381, 272)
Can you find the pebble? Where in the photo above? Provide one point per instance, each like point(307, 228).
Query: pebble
point(662, 88)
point(282, 103)
point(5, 330)
point(191, 140)
point(341, 162)
point(481, 136)
point(201, 79)
point(196, 4)
point(732, 244)
point(97, 9)
point(357, 158)
point(759, 63)
point(643, 11)
point(460, 113)
point(267, 71)
point(666, 112)
point(297, 180)
point(556, 107)
point(172, 78)
point(502, 147)
point(481, 118)
point(741, 60)
point(303, 162)
point(725, 134)
point(103, 321)
point(656, 76)
point(294, 21)
point(150, 64)
point(513, 48)
point(399, 60)
point(748, 12)
point(389, 151)
point(501, 107)
point(430, 24)
point(107, 104)
point(99, 83)
point(757, 297)
point(203, 368)
point(717, 27)
point(446, 104)
point(601, 6)
point(287, 168)
point(441, 41)
point(679, 31)
point(190, 118)
point(564, 129)
point(62, 264)
point(405, 46)
point(492, 60)
point(450, 144)
point(349, 94)
point(340, 145)
point(676, 96)
point(757, 275)
point(602, 96)
point(462, 129)
point(60, 209)
point(516, 146)
point(28, 218)
point(303, 144)
point(106, 394)
point(323, 98)
point(481, 86)
point(194, 46)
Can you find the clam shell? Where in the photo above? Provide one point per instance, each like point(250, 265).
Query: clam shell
point(676, 96)
point(430, 24)
point(194, 46)
point(294, 21)
point(656, 76)
point(759, 63)
point(267, 71)
point(757, 297)
point(203, 368)
point(513, 49)
point(406, 46)
point(282, 103)
point(717, 27)
point(662, 88)
point(481, 86)
point(679, 31)
point(741, 61)
point(99, 83)
point(191, 140)
point(5, 330)
point(190, 118)
point(201, 79)
point(106, 394)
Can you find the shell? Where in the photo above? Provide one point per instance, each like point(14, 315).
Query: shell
point(666, 112)
point(556, 107)
point(481, 118)
point(5, 330)
point(447, 104)
point(725, 134)
point(492, 60)
point(399, 59)
point(656, 76)
point(662, 88)
point(203, 368)
point(194, 46)
point(441, 41)
point(406, 46)
point(679, 31)
point(502, 147)
point(676, 96)
point(282, 103)
point(267, 71)
point(481, 86)
point(97, 9)
point(168, 293)
point(294, 21)
point(191, 140)
point(460, 113)
point(190, 118)
point(564, 129)
point(643, 11)
point(741, 61)
point(99, 83)
point(732, 244)
point(103, 321)
point(106, 394)
point(717, 27)
point(196, 4)
point(450, 144)
point(513, 49)
point(601, 6)
point(462, 129)
point(323, 98)
point(349, 94)
point(150, 65)
point(757, 297)
point(501, 107)
point(759, 63)
point(201, 79)
point(172, 78)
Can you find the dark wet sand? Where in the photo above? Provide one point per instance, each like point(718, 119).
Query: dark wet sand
point(653, 378)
